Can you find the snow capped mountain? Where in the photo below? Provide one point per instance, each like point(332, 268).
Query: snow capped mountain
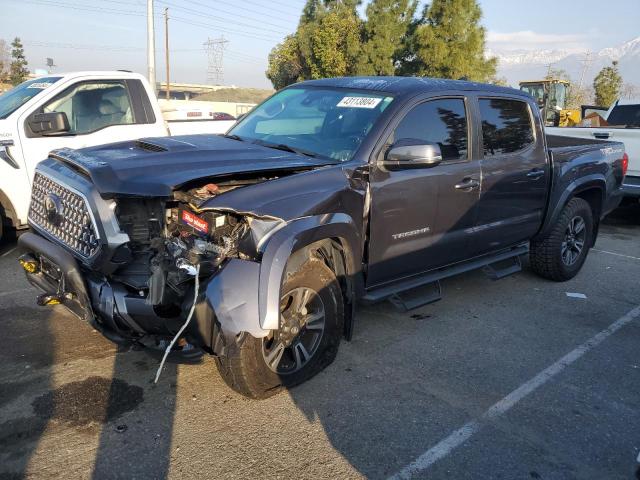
point(528, 57)
point(517, 65)
point(630, 48)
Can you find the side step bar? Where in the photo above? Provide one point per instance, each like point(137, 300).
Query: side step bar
point(494, 269)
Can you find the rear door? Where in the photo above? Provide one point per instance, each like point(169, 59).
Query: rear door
point(515, 174)
point(421, 218)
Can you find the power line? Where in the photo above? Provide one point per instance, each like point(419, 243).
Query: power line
point(241, 57)
point(208, 26)
point(287, 5)
point(87, 8)
point(260, 20)
point(217, 18)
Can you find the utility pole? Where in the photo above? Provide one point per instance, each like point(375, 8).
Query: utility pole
point(151, 46)
point(166, 46)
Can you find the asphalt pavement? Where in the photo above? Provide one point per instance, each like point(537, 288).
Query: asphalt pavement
point(512, 379)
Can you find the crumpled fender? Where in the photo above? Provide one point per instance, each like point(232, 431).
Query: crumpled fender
point(287, 240)
point(245, 295)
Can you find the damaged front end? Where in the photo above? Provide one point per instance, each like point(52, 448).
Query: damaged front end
point(138, 281)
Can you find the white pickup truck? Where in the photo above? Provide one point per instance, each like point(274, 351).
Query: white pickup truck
point(623, 119)
point(75, 110)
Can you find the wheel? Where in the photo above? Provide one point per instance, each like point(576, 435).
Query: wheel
point(307, 340)
point(560, 255)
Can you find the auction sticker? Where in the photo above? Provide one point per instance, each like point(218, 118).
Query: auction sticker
point(359, 102)
point(195, 222)
point(40, 85)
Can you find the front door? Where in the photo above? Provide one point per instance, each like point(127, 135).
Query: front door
point(99, 112)
point(421, 217)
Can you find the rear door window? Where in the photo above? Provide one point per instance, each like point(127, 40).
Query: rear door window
point(506, 126)
point(442, 121)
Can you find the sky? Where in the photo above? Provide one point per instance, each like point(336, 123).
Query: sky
point(111, 34)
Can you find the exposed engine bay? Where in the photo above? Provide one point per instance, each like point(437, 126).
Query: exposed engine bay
point(172, 240)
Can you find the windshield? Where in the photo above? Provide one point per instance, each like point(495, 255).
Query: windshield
point(322, 122)
point(13, 99)
point(627, 115)
point(535, 90)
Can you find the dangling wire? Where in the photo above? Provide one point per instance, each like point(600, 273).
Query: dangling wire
point(193, 308)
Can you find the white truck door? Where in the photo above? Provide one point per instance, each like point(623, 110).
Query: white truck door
point(99, 111)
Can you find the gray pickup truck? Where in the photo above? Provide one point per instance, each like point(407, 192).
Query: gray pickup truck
point(256, 246)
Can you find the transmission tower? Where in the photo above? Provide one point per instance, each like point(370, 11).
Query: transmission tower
point(586, 64)
point(215, 50)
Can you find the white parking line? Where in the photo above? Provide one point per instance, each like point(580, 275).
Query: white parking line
point(8, 252)
point(616, 254)
point(458, 437)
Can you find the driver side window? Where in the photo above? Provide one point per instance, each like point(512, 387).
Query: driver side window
point(91, 106)
point(442, 121)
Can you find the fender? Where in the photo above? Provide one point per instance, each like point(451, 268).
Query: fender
point(584, 183)
point(287, 240)
point(9, 211)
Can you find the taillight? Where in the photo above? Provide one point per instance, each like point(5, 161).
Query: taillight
point(625, 163)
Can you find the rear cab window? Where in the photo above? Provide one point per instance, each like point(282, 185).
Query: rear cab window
point(507, 126)
point(625, 116)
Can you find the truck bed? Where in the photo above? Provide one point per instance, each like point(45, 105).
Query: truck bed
point(565, 149)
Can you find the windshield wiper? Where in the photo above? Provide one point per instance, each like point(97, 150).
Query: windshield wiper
point(287, 148)
point(233, 137)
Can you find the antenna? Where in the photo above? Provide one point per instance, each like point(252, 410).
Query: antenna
point(215, 50)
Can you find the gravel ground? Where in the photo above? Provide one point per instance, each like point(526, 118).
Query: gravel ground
point(73, 406)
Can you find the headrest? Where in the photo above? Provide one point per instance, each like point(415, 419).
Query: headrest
point(108, 108)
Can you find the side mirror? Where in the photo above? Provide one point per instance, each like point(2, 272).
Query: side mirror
point(412, 153)
point(49, 123)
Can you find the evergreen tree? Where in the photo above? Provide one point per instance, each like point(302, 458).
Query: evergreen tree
point(18, 71)
point(448, 42)
point(326, 44)
point(607, 85)
point(384, 32)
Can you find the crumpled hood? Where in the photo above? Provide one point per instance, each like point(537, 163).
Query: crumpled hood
point(154, 167)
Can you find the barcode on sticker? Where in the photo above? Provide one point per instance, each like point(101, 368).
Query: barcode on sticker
point(359, 102)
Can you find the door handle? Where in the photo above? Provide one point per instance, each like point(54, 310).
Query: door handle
point(535, 173)
point(467, 184)
point(601, 135)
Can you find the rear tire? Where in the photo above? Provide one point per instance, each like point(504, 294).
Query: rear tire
point(560, 255)
point(246, 368)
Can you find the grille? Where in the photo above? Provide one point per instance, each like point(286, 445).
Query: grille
point(64, 215)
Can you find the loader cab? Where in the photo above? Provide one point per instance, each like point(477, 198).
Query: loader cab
point(551, 97)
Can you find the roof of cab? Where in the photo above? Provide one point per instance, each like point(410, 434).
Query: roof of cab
point(404, 85)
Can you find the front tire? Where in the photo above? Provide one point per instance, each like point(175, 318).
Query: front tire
point(560, 255)
point(311, 325)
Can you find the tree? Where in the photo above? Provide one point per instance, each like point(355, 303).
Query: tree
point(383, 35)
point(285, 63)
point(18, 71)
point(607, 85)
point(448, 42)
point(327, 43)
point(4, 60)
